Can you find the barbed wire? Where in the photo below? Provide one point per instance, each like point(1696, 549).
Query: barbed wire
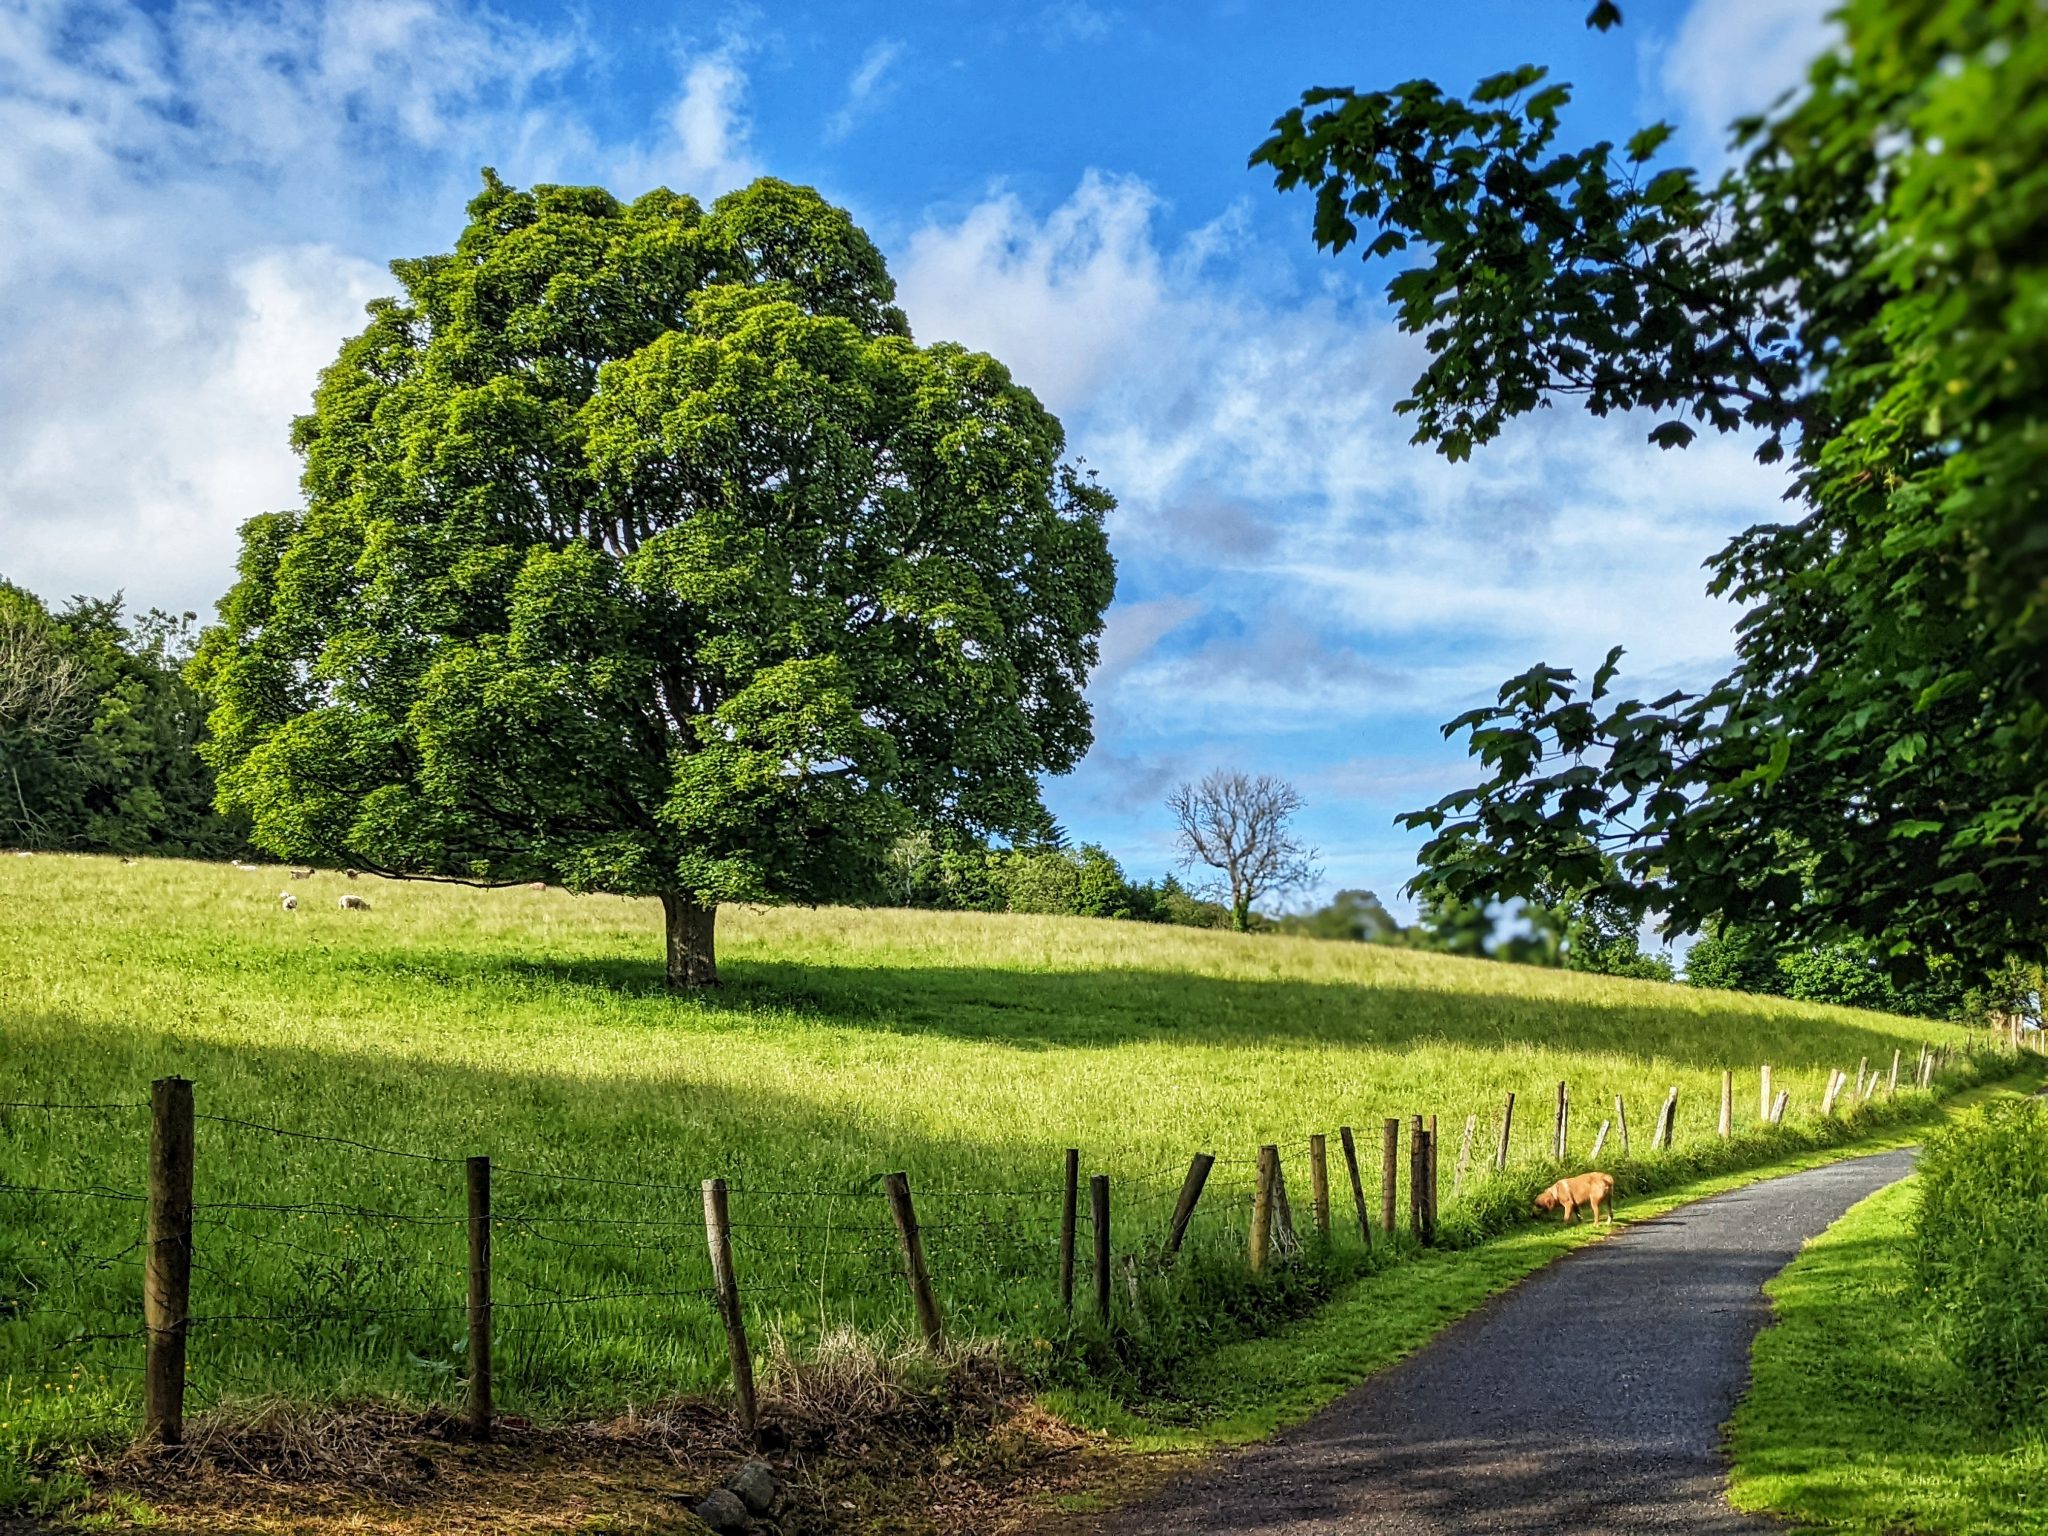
point(52, 1105)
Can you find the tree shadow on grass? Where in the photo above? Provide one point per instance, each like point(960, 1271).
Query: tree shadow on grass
point(1049, 1010)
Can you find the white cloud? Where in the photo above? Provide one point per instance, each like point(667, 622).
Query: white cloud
point(710, 125)
point(866, 88)
point(1727, 60)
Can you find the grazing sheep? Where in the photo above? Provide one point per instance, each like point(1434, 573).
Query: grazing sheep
point(302, 874)
point(537, 885)
point(353, 904)
point(288, 901)
point(350, 873)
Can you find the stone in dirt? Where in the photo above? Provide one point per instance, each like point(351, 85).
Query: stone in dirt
point(755, 1484)
point(722, 1510)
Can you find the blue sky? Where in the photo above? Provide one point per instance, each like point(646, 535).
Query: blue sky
point(202, 197)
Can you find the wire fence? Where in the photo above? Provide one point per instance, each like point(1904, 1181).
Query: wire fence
point(369, 1284)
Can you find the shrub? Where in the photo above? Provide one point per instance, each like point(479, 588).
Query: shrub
point(1982, 1238)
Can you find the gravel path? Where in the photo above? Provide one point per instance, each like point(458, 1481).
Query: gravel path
point(1587, 1400)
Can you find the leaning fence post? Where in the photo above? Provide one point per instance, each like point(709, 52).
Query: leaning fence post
point(1727, 1103)
point(479, 1180)
point(1667, 1120)
point(1069, 1218)
point(898, 1187)
point(718, 1238)
point(1319, 1183)
point(1350, 1145)
point(1184, 1208)
point(1599, 1140)
point(1563, 1122)
point(1098, 1213)
point(167, 1259)
point(1893, 1086)
point(1621, 1123)
point(1827, 1098)
point(1262, 1205)
point(1418, 1170)
point(1464, 1155)
point(1507, 1125)
point(1778, 1106)
point(1390, 1158)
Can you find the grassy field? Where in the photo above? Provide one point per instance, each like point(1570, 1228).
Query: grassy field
point(1854, 1421)
point(969, 1051)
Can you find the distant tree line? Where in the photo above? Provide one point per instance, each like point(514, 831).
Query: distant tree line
point(97, 733)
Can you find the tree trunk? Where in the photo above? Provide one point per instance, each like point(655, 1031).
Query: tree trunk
point(1241, 916)
point(692, 954)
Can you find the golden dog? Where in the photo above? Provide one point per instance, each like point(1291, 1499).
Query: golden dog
point(1588, 1189)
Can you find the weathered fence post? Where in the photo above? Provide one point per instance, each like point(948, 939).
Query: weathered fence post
point(1319, 1183)
point(1727, 1103)
point(1350, 1145)
point(1599, 1140)
point(1827, 1098)
point(1667, 1122)
point(1862, 1067)
point(1764, 1102)
point(167, 1259)
point(1778, 1106)
point(1098, 1214)
point(1262, 1205)
point(1390, 1158)
point(1893, 1086)
point(1283, 1208)
point(1429, 1184)
point(1507, 1125)
point(1070, 1216)
point(1184, 1208)
point(897, 1186)
point(479, 1180)
point(1621, 1123)
point(718, 1238)
point(1418, 1170)
point(1464, 1155)
point(1563, 1122)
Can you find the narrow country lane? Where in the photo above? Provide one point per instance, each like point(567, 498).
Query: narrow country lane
point(1588, 1400)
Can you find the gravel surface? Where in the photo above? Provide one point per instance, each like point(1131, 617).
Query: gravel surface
point(1587, 1400)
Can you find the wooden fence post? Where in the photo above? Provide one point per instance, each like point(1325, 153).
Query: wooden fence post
point(1283, 1208)
point(1464, 1155)
point(1564, 1110)
point(897, 1185)
point(1430, 1183)
point(1667, 1122)
point(1418, 1170)
point(1727, 1103)
point(1827, 1098)
point(1350, 1145)
point(1893, 1086)
point(479, 1180)
point(1070, 1215)
point(1778, 1106)
point(1621, 1123)
point(1599, 1140)
point(1319, 1183)
point(1862, 1067)
point(1098, 1212)
point(1390, 1157)
point(1184, 1208)
point(1507, 1124)
point(1764, 1100)
point(1262, 1205)
point(167, 1259)
point(718, 1238)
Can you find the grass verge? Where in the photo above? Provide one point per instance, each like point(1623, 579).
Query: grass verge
point(1855, 1421)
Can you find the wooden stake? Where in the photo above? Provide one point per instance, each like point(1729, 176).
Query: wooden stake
point(897, 1186)
point(1600, 1139)
point(1778, 1106)
point(1319, 1183)
point(1507, 1124)
point(1350, 1146)
point(1262, 1205)
point(167, 1259)
point(1283, 1208)
point(1667, 1121)
point(1098, 1210)
point(1621, 1123)
point(1893, 1086)
point(718, 1238)
point(1464, 1155)
point(1070, 1215)
point(1390, 1157)
point(1827, 1098)
point(1862, 1067)
point(1727, 1104)
point(1429, 1179)
point(479, 1179)
point(1418, 1170)
point(1563, 1122)
point(1184, 1208)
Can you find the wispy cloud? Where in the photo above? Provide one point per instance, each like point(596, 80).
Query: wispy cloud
point(866, 89)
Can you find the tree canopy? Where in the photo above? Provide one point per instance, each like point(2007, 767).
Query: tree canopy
point(644, 550)
point(1861, 292)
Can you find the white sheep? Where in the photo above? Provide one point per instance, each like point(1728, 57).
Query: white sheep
point(302, 874)
point(353, 904)
point(288, 901)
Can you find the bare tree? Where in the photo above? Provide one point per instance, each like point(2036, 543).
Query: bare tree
point(42, 691)
point(1236, 823)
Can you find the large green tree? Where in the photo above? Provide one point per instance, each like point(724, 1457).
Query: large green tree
point(644, 550)
point(1862, 292)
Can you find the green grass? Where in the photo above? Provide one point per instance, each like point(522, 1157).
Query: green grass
point(966, 1050)
point(1855, 1421)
